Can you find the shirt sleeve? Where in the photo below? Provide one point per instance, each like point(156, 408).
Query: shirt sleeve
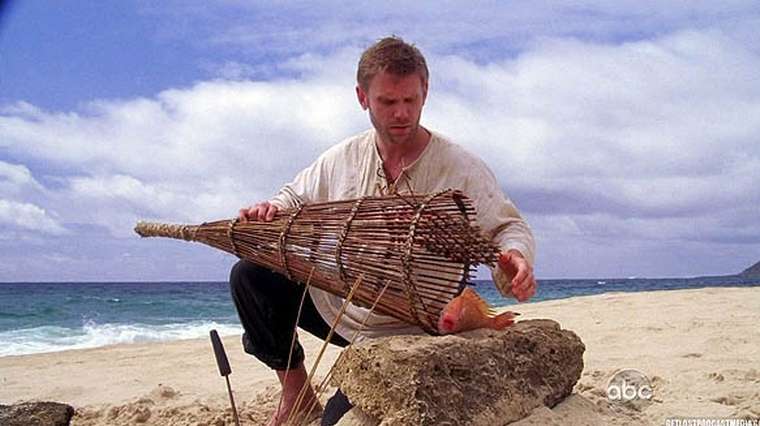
point(499, 219)
point(309, 186)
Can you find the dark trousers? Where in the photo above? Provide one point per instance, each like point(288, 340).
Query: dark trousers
point(267, 304)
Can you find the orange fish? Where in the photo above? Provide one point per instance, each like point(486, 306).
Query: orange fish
point(469, 311)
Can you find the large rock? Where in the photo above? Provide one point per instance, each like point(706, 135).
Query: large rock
point(482, 377)
point(36, 414)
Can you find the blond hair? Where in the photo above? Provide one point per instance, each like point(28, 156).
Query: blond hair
point(391, 54)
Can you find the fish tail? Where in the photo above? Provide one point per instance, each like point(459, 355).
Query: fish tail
point(504, 319)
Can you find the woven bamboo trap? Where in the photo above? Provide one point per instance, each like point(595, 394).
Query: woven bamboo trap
point(420, 249)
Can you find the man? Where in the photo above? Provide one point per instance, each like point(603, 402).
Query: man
point(396, 155)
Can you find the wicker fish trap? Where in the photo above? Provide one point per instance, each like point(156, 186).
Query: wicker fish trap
point(420, 249)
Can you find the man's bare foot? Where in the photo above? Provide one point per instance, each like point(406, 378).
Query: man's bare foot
point(284, 409)
point(292, 382)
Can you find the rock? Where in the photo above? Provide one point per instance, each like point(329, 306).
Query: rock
point(36, 414)
point(357, 417)
point(482, 377)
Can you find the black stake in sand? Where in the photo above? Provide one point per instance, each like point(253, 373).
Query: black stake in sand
point(224, 369)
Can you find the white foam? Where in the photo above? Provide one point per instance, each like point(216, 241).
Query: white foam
point(92, 335)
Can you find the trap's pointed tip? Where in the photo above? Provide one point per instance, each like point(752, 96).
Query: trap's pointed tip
point(147, 229)
point(166, 230)
point(140, 228)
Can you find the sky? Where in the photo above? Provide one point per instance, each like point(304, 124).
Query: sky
point(627, 133)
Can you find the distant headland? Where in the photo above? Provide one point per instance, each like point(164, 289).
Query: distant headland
point(752, 271)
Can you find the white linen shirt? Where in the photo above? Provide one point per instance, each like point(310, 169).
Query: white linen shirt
point(353, 169)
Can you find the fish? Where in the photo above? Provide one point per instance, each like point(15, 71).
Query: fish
point(469, 311)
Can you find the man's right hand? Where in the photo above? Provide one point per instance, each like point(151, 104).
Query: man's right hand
point(263, 211)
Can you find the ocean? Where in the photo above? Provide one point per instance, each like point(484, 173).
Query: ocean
point(48, 317)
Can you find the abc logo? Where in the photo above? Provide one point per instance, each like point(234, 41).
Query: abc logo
point(629, 386)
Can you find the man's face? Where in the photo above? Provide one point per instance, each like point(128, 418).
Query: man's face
point(395, 105)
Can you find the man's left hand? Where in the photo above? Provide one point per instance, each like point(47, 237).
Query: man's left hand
point(523, 281)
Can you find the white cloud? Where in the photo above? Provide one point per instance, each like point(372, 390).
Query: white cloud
point(116, 202)
point(665, 125)
point(616, 142)
point(198, 131)
point(15, 178)
point(189, 153)
point(489, 29)
point(27, 217)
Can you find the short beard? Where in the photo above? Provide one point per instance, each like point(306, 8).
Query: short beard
point(387, 137)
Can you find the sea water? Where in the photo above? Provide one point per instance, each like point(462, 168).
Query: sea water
point(47, 317)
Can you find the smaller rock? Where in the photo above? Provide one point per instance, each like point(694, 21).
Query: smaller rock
point(357, 417)
point(36, 414)
point(163, 392)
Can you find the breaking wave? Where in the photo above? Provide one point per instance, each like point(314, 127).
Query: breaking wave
point(92, 335)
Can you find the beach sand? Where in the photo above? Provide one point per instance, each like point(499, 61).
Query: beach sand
point(699, 348)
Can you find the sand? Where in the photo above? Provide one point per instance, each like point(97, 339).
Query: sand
point(699, 348)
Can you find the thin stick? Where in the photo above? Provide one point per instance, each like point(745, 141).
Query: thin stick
point(232, 401)
point(293, 340)
point(306, 385)
point(323, 385)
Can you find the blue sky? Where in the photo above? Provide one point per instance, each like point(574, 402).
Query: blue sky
point(626, 132)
